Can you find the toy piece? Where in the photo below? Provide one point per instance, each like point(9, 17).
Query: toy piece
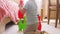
point(22, 24)
point(39, 23)
point(22, 21)
point(20, 14)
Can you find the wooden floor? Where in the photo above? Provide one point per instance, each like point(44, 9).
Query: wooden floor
point(45, 27)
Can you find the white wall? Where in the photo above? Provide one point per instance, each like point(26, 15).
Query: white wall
point(39, 4)
point(45, 8)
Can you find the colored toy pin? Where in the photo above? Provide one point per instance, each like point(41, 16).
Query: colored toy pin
point(39, 23)
point(20, 14)
point(22, 24)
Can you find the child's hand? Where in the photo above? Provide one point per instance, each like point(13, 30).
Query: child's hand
point(18, 19)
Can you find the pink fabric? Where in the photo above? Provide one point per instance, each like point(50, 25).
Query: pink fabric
point(8, 9)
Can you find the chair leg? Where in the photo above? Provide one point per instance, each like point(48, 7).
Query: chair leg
point(48, 20)
point(59, 20)
point(56, 20)
point(41, 14)
point(56, 24)
point(48, 17)
point(57, 13)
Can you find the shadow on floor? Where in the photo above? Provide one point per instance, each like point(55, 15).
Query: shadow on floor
point(9, 24)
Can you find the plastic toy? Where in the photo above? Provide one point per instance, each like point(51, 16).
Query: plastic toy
point(39, 23)
point(22, 24)
point(20, 15)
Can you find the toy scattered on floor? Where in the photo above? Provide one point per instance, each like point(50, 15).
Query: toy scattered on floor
point(22, 24)
point(43, 32)
point(22, 21)
point(20, 14)
point(39, 23)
